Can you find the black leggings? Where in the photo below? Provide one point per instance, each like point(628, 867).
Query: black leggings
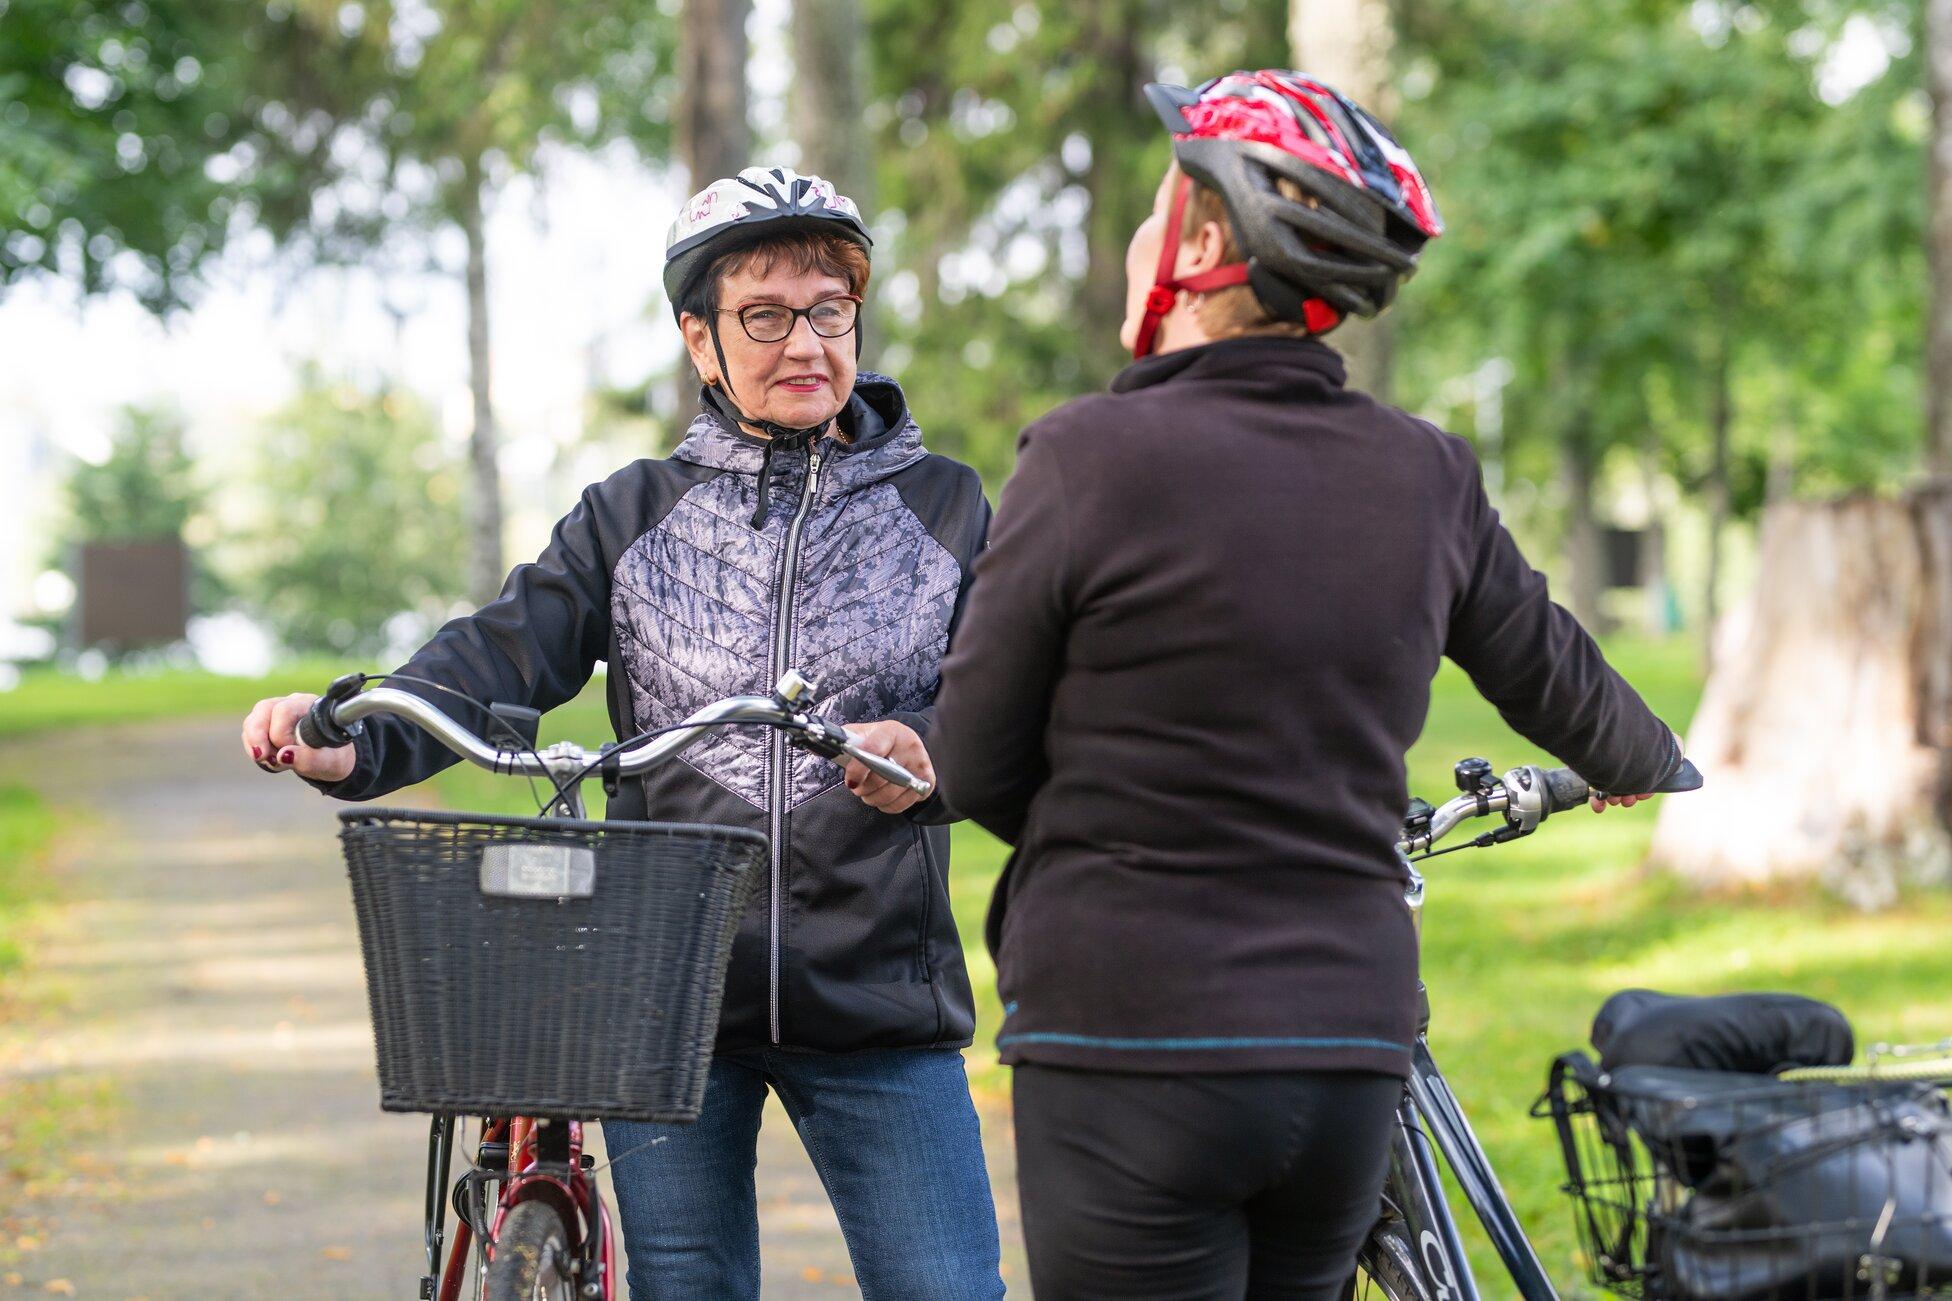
point(1198, 1186)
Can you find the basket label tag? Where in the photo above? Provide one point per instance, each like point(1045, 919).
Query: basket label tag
point(517, 871)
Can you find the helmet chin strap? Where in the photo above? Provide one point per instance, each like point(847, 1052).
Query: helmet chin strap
point(779, 438)
point(1165, 291)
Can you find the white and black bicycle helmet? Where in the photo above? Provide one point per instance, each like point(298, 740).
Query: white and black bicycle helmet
point(736, 212)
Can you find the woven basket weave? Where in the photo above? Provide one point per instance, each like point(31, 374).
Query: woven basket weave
point(583, 1008)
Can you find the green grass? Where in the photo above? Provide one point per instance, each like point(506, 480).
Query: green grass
point(26, 828)
point(46, 700)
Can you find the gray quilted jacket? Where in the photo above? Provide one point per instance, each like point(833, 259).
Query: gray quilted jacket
point(855, 577)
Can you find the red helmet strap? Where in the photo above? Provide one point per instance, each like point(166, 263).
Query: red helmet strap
point(1164, 294)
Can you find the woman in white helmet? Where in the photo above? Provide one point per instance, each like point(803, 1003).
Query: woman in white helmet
point(800, 524)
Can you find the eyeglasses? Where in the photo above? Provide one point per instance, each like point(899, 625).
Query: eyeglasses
point(831, 318)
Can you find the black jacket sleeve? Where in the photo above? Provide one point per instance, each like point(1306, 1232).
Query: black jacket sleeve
point(535, 644)
point(1528, 656)
point(988, 742)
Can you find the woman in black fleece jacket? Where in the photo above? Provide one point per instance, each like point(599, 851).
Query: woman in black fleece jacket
point(1196, 651)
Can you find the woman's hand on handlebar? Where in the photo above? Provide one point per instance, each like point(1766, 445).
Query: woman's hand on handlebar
point(891, 740)
point(272, 742)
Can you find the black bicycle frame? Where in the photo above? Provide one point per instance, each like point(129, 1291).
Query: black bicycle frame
point(1429, 1113)
point(440, 1155)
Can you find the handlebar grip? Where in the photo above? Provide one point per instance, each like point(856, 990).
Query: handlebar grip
point(1565, 790)
point(890, 771)
point(317, 727)
point(1685, 778)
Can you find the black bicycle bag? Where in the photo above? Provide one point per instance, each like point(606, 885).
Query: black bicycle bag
point(1758, 1034)
point(1694, 1184)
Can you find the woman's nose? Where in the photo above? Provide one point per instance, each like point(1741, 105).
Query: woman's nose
point(803, 342)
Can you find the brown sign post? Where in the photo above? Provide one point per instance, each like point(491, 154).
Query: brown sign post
point(132, 593)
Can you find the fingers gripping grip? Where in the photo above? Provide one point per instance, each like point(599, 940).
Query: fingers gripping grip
point(318, 727)
point(893, 773)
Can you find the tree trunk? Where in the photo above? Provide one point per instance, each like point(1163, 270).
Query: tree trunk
point(1825, 726)
point(1119, 124)
point(714, 136)
point(1347, 44)
point(1720, 414)
point(485, 572)
point(1579, 468)
point(829, 96)
point(1780, 484)
point(1656, 603)
point(1938, 381)
point(827, 103)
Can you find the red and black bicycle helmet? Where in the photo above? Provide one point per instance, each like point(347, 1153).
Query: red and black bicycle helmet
point(1239, 135)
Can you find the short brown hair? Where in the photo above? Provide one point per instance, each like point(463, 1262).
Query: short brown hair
point(801, 252)
point(1235, 310)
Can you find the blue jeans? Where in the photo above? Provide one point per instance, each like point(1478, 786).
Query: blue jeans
point(894, 1138)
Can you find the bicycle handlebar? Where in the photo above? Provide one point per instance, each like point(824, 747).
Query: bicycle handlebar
point(1526, 796)
point(325, 725)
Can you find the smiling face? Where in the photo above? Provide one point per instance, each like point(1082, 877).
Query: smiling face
point(801, 381)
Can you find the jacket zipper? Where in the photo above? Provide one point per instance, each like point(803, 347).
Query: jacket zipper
point(928, 905)
point(782, 643)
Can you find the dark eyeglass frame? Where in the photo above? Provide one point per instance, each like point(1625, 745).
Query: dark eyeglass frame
point(793, 317)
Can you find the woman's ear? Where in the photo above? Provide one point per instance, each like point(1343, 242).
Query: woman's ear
point(698, 342)
point(1208, 248)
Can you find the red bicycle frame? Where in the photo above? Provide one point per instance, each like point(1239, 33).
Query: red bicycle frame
point(544, 1161)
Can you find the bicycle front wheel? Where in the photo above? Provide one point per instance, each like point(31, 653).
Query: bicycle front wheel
point(532, 1260)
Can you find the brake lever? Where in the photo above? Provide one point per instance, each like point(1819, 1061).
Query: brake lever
point(821, 736)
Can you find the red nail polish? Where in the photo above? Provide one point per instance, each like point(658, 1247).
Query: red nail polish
point(256, 752)
point(286, 756)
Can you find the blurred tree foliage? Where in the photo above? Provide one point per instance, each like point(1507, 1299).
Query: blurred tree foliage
point(1692, 229)
point(118, 119)
point(363, 520)
point(1666, 216)
point(1680, 242)
point(413, 115)
point(145, 489)
point(1015, 158)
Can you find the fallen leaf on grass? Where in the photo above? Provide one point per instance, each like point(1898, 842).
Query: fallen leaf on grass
point(11, 1280)
point(336, 1253)
point(60, 1287)
point(28, 1242)
point(272, 1198)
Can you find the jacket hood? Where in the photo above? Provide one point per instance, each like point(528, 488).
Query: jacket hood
point(883, 437)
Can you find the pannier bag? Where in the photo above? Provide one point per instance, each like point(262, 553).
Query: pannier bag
point(1695, 1184)
point(1759, 1034)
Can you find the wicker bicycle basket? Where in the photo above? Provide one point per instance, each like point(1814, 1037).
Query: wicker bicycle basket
point(543, 966)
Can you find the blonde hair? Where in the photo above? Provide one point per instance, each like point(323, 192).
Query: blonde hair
point(1226, 313)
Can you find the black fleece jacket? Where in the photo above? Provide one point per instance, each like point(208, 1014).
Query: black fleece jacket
point(1196, 651)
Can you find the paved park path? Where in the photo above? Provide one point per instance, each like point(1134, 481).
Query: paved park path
point(201, 1007)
